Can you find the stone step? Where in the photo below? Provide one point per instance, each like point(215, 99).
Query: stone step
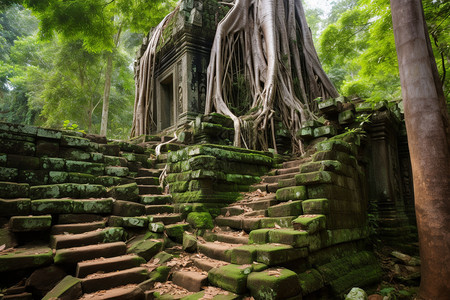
point(128, 292)
point(265, 187)
point(160, 166)
point(106, 235)
point(207, 263)
point(149, 189)
point(287, 182)
point(190, 280)
point(147, 180)
point(71, 256)
point(216, 250)
point(251, 223)
point(272, 179)
point(232, 237)
point(293, 163)
point(159, 209)
point(293, 170)
point(79, 218)
point(105, 281)
point(166, 219)
point(106, 265)
point(143, 172)
point(76, 228)
point(156, 199)
point(260, 204)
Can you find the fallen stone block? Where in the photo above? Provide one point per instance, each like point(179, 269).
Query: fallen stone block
point(67, 289)
point(274, 283)
point(175, 231)
point(192, 281)
point(43, 280)
point(189, 242)
point(26, 258)
point(128, 222)
point(146, 249)
point(30, 223)
point(200, 220)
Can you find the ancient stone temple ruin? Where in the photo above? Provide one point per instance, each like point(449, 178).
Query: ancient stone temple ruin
point(84, 217)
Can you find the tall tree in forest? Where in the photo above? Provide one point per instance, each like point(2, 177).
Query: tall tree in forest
point(427, 125)
point(269, 44)
point(98, 23)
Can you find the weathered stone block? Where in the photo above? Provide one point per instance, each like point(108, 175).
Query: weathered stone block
point(274, 284)
point(110, 149)
point(336, 144)
point(278, 221)
point(52, 206)
point(346, 117)
point(55, 177)
point(230, 277)
point(21, 129)
point(85, 167)
point(200, 220)
point(175, 231)
point(52, 163)
point(74, 154)
point(8, 174)
point(310, 223)
point(272, 255)
point(117, 171)
point(33, 177)
point(30, 223)
point(315, 178)
point(24, 258)
point(128, 209)
point(189, 242)
point(310, 281)
point(156, 199)
point(290, 208)
point(18, 147)
point(70, 190)
point(81, 178)
point(23, 162)
point(47, 148)
point(10, 190)
point(157, 227)
point(74, 141)
point(316, 206)
point(295, 238)
point(128, 192)
point(15, 207)
point(327, 131)
point(48, 133)
point(342, 157)
point(242, 255)
point(87, 191)
point(146, 249)
point(306, 133)
point(259, 236)
point(93, 206)
point(291, 193)
point(128, 222)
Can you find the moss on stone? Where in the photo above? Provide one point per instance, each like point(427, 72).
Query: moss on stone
point(230, 277)
point(68, 288)
point(291, 193)
point(24, 258)
point(310, 281)
point(52, 206)
point(146, 248)
point(271, 255)
point(98, 206)
point(274, 284)
point(175, 231)
point(30, 223)
point(128, 192)
point(200, 220)
point(310, 223)
point(259, 236)
point(10, 190)
point(15, 207)
point(295, 238)
point(242, 255)
point(316, 206)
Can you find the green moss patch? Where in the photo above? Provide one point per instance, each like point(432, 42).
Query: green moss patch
point(274, 284)
point(231, 277)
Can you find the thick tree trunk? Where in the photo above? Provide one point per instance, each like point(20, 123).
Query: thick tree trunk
point(105, 109)
point(428, 137)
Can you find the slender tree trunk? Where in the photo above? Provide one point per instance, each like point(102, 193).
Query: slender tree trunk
point(107, 90)
point(428, 137)
point(105, 110)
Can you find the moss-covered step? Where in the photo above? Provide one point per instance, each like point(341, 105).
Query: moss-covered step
point(149, 189)
point(292, 193)
point(290, 208)
point(316, 206)
point(200, 220)
point(219, 295)
point(275, 254)
point(310, 281)
point(51, 206)
point(131, 291)
point(336, 144)
point(12, 190)
point(166, 219)
point(127, 192)
point(8, 174)
point(231, 237)
point(26, 257)
point(155, 199)
point(106, 265)
point(74, 255)
point(231, 277)
point(67, 190)
point(76, 228)
point(341, 157)
point(128, 209)
point(74, 141)
point(117, 171)
point(93, 206)
point(97, 169)
point(110, 280)
point(147, 180)
point(68, 288)
point(79, 218)
point(128, 222)
point(146, 248)
point(15, 207)
point(294, 238)
point(219, 251)
point(310, 223)
point(274, 283)
point(143, 172)
point(106, 235)
point(30, 223)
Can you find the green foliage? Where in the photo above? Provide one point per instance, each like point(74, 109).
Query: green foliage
point(67, 125)
point(357, 48)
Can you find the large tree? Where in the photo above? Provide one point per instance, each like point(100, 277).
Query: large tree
point(267, 43)
point(427, 125)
